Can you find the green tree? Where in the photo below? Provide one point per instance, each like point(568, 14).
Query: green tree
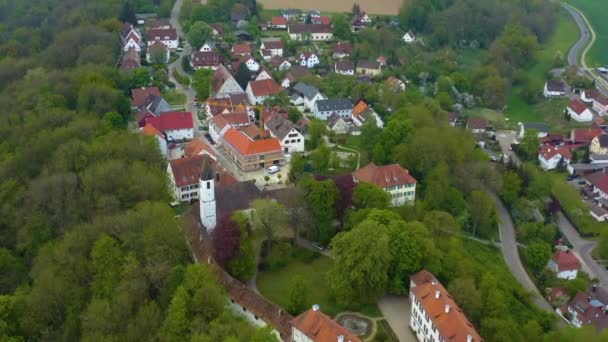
point(199, 33)
point(243, 75)
point(106, 259)
point(360, 269)
point(467, 296)
point(297, 165)
point(158, 54)
point(370, 196)
point(298, 295)
point(176, 324)
point(341, 27)
point(320, 197)
point(537, 255)
point(12, 272)
point(528, 147)
point(483, 216)
point(244, 265)
point(201, 83)
point(269, 218)
point(511, 187)
point(294, 114)
point(319, 158)
point(113, 121)
point(316, 131)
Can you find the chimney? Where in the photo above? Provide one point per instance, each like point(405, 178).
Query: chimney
point(315, 307)
point(437, 294)
point(588, 299)
point(469, 338)
point(594, 288)
point(341, 338)
point(447, 308)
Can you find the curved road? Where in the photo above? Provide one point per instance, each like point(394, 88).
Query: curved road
point(584, 35)
point(508, 246)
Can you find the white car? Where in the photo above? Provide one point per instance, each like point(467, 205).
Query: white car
point(273, 169)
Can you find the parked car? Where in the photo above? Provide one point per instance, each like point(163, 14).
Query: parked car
point(208, 137)
point(273, 169)
point(582, 182)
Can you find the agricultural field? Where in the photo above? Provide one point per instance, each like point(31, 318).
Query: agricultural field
point(382, 7)
point(594, 10)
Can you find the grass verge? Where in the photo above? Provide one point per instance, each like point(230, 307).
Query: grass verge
point(594, 11)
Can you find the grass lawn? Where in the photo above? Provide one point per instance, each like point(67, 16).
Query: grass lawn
point(594, 11)
point(174, 97)
point(275, 285)
point(469, 59)
point(572, 204)
point(547, 111)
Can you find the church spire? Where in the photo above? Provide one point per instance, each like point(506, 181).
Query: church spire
point(206, 172)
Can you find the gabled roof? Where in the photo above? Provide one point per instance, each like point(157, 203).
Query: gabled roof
point(384, 176)
point(169, 121)
point(585, 135)
point(452, 325)
point(219, 28)
point(565, 260)
point(334, 104)
point(342, 47)
point(162, 34)
point(247, 147)
point(319, 327)
point(591, 93)
point(196, 147)
point(139, 95)
point(477, 123)
point(242, 48)
point(366, 64)
point(599, 180)
point(540, 127)
point(589, 308)
point(306, 90)
point(234, 118)
point(556, 86)
point(276, 61)
point(548, 152)
point(220, 76)
point(272, 43)
point(422, 277)
point(187, 171)
point(333, 120)
point(309, 28)
point(344, 65)
point(265, 87)
point(577, 106)
point(149, 130)
point(322, 20)
point(278, 21)
point(602, 100)
point(279, 126)
point(205, 59)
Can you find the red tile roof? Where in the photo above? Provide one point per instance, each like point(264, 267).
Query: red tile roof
point(422, 277)
point(196, 147)
point(187, 171)
point(577, 106)
point(477, 123)
point(235, 118)
point(549, 151)
point(599, 180)
point(139, 95)
point(602, 100)
point(273, 44)
point(242, 49)
point(320, 328)
point(384, 176)
point(310, 28)
point(344, 65)
point(150, 130)
point(452, 325)
point(169, 121)
point(585, 135)
point(278, 20)
point(161, 34)
point(565, 260)
point(342, 47)
point(265, 87)
point(246, 146)
point(205, 59)
point(322, 20)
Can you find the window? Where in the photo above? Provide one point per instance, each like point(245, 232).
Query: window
point(208, 185)
point(298, 140)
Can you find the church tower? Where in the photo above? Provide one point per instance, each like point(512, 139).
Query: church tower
point(206, 197)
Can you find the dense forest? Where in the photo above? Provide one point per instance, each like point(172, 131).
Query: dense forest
point(89, 249)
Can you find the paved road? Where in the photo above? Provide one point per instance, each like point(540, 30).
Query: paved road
point(584, 35)
point(586, 40)
point(397, 310)
point(511, 255)
point(582, 248)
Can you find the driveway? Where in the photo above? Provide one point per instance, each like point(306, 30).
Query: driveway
point(511, 254)
point(396, 310)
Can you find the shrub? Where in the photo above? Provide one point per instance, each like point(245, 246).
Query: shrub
point(304, 255)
